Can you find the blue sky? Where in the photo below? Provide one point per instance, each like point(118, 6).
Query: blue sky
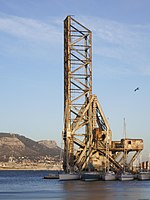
point(31, 64)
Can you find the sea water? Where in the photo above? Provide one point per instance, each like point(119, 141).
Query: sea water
point(30, 185)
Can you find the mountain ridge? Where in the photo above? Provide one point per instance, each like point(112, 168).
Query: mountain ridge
point(17, 146)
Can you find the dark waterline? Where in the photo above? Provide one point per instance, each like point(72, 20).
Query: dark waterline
point(30, 185)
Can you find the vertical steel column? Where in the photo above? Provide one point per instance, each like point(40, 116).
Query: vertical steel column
point(66, 90)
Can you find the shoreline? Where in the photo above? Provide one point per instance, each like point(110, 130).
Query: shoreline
point(29, 169)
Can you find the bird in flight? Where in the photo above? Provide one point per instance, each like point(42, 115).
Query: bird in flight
point(136, 89)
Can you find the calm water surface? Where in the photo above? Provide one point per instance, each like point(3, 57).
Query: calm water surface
point(30, 185)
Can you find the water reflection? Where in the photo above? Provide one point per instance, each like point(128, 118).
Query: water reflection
point(111, 190)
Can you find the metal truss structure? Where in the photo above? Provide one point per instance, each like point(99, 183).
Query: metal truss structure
point(86, 130)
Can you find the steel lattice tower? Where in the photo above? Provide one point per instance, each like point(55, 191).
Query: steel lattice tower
point(86, 131)
point(77, 83)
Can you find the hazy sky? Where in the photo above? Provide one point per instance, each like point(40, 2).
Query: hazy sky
point(31, 64)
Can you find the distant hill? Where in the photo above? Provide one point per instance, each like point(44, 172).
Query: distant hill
point(48, 143)
point(19, 146)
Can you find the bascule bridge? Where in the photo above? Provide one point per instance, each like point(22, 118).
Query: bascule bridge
point(87, 135)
